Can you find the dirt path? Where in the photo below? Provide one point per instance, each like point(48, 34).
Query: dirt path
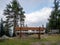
point(45, 43)
point(41, 43)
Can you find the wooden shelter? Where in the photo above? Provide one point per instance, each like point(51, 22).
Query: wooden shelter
point(30, 28)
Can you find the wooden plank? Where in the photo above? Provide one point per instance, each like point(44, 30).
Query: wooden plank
point(28, 28)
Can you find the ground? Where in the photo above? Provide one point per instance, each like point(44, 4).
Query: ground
point(33, 40)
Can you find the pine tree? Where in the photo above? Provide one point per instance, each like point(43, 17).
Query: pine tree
point(54, 21)
point(2, 29)
point(7, 27)
point(14, 12)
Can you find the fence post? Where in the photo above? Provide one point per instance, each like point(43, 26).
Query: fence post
point(39, 35)
point(20, 33)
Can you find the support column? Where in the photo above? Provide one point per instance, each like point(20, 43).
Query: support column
point(20, 33)
point(39, 35)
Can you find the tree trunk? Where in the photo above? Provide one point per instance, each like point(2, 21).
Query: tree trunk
point(14, 25)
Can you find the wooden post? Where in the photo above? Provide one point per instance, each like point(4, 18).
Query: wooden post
point(39, 36)
point(20, 33)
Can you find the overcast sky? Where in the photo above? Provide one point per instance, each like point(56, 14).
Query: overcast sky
point(37, 12)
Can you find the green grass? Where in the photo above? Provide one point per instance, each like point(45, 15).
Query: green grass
point(18, 41)
point(52, 39)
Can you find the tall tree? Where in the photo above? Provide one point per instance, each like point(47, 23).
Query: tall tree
point(2, 28)
point(54, 18)
point(7, 27)
point(14, 12)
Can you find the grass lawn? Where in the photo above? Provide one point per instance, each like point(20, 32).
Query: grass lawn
point(53, 39)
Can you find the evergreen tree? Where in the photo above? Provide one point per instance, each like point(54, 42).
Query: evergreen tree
point(54, 21)
point(7, 27)
point(2, 29)
point(14, 12)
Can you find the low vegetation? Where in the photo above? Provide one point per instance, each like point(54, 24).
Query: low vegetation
point(51, 39)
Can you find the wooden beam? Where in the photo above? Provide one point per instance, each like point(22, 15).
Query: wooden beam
point(29, 28)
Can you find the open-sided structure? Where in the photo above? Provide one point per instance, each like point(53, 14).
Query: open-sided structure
point(29, 28)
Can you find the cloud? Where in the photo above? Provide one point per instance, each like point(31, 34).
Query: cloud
point(39, 17)
point(1, 15)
